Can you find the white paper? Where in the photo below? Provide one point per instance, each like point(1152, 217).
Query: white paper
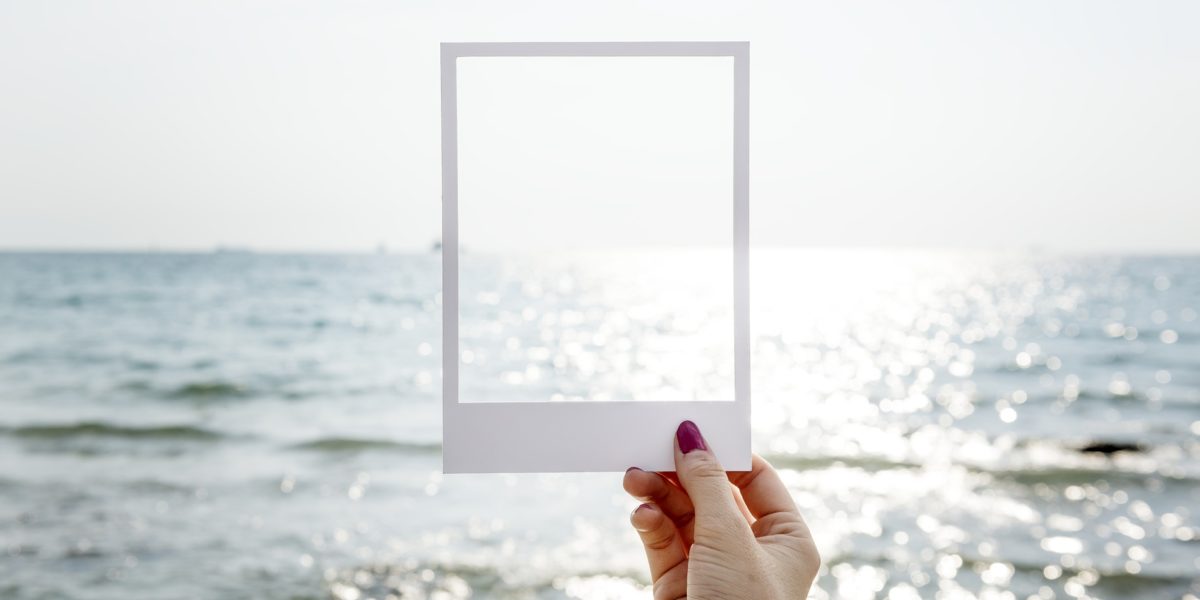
point(540, 436)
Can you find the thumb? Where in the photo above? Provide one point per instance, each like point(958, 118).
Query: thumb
point(706, 483)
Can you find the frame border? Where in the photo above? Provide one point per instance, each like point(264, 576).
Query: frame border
point(521, 437)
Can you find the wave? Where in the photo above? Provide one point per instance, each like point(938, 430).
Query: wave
point(207, 390)
point(196, 391)
point(1021, 474)
point(398, 299)
point(111, 430)
point(157, 486)
point(1108, 448)
point(866, 463)
point(346, 444)
point(1112, 578)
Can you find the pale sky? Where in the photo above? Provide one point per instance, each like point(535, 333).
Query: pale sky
point(315, 125)
point(594, 152)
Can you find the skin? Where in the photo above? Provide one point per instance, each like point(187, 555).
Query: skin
point(709, 534)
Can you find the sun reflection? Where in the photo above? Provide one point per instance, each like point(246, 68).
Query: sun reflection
point(920, 365)
point(602, 326)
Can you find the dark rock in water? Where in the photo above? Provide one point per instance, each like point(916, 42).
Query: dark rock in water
point(1110, 448)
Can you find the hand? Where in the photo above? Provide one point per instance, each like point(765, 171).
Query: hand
point(709, 535)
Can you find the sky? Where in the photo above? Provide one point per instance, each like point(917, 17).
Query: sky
point(595, 152)
point(305, 125)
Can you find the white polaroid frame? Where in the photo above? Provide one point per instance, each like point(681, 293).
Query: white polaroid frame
point(512, 437)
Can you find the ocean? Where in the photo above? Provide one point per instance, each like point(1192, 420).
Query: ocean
point(245, 425)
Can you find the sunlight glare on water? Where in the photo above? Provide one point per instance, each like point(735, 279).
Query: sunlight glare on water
point(597, 326)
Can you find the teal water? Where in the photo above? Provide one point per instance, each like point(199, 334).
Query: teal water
point(267, 426)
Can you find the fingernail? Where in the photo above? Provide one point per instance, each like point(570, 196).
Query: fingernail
point(689, 437)
point(632, 469)
point(640, 507)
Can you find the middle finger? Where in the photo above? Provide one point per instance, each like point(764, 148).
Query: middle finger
point(674, 502)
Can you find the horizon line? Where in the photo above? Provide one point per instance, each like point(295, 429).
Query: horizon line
point(383, 249)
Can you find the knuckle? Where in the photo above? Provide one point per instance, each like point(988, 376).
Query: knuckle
point(722, 533)
point(660, 591)
point(685, 519)
point(660, 540)
point(665, 589)
point(705, 466)
point(807, 561)
point(814, 564)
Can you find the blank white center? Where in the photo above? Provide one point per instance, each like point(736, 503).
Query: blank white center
point(596, 221)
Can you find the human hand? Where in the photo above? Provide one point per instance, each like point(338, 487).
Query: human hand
point(709, 534)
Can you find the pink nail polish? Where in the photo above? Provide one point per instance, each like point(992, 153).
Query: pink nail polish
point(689, 437)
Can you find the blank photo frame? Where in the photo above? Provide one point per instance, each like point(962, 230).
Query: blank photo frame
point(513, 437)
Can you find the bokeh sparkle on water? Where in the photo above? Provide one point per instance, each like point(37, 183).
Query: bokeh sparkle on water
point(597, 326)
point(240, 425)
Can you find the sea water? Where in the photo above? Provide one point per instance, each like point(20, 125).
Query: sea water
point(240, 425)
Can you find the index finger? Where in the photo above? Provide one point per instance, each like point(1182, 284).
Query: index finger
point(763, 490)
